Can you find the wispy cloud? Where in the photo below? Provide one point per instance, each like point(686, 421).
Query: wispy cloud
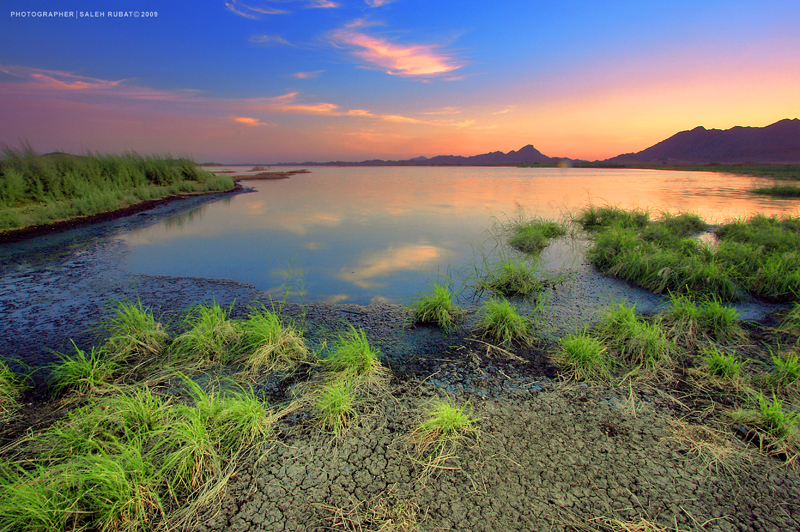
point(377, 3)
point(251, 121)
point(307, 75)
point(444, 111)
point(508, 109)
point(250, 11)
point(323, 4)
point(416, 60)
point(268, 39)
point(56, 79)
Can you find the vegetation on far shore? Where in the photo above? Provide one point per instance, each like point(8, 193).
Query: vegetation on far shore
point(43, 189)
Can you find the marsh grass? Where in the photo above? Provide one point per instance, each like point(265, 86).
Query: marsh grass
point(512, 278)
point(11, 388)
point(594, 218)
point(532, 236)
point(785, 372)
point(436, 307)
point(334, 406)
point(37, 189)
point(354, 360)
point(133, 460)
point(636, 342)
point(133, 331)
point(82, 372)
point(689, 323)
point(758, 255)
point(723, 365)
point(444, 423)
point(269, 344)
point(583, 356)
point(778, 191)
point(211, 337)
point(501, 323)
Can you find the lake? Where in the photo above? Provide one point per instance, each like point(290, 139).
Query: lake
point(366, 235)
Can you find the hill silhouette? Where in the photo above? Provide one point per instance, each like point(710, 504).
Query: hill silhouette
point(776, 143)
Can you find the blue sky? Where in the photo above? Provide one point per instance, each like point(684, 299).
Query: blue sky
point(271, 81)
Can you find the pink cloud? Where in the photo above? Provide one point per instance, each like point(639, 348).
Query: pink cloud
point(251, 121)
point(307, 75)
point(397, 59)
point(377, 3)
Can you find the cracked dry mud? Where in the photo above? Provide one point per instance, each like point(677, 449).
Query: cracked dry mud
point(568, 457)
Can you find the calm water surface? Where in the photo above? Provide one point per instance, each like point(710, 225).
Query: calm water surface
point(361, 235)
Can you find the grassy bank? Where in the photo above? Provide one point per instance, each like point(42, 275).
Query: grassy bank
point(43, 189)
point(757, 256)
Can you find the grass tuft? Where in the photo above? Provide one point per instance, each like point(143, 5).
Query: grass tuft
point(83, 373)
point(533, 236)
point(134, 331)
point(584, 357)
point(352, 357)
point(436, 307)
point(723, 365)
point(635, 341)
point(210, 337)
point(271, 345)
point(785, 371)
point(774, 418)
point(688, 323)
point(502, 323)
point(334, 406)
point(445, 422)
point(512, 278)
point(11, 387)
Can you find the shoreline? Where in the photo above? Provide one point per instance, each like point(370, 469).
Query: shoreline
point(33, 231)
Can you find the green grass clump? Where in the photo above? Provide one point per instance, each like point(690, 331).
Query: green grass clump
point(688, 322)
point(584, 357)
point(757, 256)
point(211, 337)
point(444, 422)
point(593, 218)
point(436, 307)
point(352, 358)
point(11, 387)
point(334, 406)
point(512, 278)
point(503, 324)
point(635, 341)
point(533, 236)
point(778, 191)
point(722, 365)
point(785, 369)
point(270, 344)
point(774, 418)
point(219, 184)
point(133, 331)
point(83, 373)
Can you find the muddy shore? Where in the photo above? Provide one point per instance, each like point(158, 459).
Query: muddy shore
point(548, 454)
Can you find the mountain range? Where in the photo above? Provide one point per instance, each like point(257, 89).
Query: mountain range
point(776, 143)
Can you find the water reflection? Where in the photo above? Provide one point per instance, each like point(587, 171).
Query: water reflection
point(374, 234)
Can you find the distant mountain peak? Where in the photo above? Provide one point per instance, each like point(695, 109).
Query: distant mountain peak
point(775, 143)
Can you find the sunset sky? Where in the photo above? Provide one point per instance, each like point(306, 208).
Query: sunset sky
point(319, 80)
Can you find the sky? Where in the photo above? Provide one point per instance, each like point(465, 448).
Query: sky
point(256, 81)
